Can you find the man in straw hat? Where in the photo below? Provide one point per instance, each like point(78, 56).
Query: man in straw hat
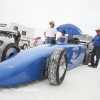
point(50, 33)
point(96, 50)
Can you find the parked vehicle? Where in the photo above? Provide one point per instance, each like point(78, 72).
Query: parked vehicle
point(8, 32)
point(50, 60)
point(84, 38)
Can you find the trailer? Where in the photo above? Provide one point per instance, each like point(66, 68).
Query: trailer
point(8, 31)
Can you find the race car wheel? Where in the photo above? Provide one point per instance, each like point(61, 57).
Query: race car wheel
point(9, 50)
point(57, 66)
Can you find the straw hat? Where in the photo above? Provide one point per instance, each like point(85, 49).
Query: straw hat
point(52, 22)
point(98, 29)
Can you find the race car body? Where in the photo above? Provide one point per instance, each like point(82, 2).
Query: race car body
point(31, 64)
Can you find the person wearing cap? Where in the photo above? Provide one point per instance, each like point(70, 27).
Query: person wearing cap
point(96, 49)
point(50, 33)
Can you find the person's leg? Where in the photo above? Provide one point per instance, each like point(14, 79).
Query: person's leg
point(53, 41)
point(52, 38)
point(17, 43)
point(92, 56)
point(46, 40)
point(97, 56)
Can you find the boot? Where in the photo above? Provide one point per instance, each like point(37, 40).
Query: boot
point(90, 65)
point(94, 67)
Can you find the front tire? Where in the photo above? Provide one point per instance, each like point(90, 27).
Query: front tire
point(57, 66)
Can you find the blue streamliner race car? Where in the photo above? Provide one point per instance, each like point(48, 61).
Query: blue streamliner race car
point(51, 60)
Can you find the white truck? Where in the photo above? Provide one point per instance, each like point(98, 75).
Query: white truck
point(8, 32)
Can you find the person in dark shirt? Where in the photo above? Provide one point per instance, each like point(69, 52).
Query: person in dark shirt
point(96, 50)
point(17, 38)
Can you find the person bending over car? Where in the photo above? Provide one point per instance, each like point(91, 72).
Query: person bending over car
point(50, 33)
point(63, 38)
point(96, 50)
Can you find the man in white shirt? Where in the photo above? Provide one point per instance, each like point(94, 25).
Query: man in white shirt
point(63, 38)
point(50, 33)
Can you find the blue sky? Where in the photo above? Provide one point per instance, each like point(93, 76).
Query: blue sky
point(37, 13)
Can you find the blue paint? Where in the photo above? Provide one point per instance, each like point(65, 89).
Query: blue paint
point(28, 65)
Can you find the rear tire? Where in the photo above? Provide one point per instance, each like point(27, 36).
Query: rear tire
point(9, 50)
point(57, 63)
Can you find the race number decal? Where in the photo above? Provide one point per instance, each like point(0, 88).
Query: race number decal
point(75, 52)
point(74, 55)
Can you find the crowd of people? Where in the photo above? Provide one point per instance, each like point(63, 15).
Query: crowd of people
point(50, 36)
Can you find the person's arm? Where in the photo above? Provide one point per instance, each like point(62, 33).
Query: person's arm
point(66, 38)
point(19, 39)
point(58, 39)
point(55, 32)
point(88, 43)
point(68, 34)
point(55, 36)
point(45, 34)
